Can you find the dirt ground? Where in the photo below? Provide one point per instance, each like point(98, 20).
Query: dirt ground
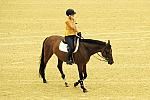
point(24, 24)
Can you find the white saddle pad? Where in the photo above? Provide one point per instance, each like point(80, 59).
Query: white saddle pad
point(63, 46)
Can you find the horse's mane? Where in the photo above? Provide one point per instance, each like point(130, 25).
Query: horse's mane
point(91, 41)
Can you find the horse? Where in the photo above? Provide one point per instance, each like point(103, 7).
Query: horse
point(87, 47)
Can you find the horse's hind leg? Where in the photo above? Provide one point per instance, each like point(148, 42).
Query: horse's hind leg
point(46, 55)
point(42, 72)
point(59, 66)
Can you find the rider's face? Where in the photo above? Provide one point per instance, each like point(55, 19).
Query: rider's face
point(71, 16)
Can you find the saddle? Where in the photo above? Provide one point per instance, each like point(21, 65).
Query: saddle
point(63, 46)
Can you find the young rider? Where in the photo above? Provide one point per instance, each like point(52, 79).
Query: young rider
point(70, 33)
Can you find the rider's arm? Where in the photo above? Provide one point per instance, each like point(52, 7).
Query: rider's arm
point(71, 25)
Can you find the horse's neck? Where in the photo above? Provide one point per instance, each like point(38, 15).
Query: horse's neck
point(93, 48)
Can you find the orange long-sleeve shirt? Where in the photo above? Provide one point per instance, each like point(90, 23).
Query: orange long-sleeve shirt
point(70, 27)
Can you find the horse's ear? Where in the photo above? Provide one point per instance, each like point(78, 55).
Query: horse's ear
point(108, 41)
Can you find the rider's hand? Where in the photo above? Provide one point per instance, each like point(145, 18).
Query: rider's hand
point(79, 34)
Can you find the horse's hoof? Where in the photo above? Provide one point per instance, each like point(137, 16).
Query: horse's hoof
point(85, 91)
point(44, 81)
point(66, 84)
point(76, 84)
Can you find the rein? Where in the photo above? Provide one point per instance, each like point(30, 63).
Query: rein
point(99, 58)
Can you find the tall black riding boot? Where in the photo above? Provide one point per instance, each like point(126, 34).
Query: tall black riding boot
point(69, 58)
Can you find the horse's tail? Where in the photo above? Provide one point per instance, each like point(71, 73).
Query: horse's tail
point(42, 64)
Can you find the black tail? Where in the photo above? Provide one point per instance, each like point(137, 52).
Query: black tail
point(42, 64)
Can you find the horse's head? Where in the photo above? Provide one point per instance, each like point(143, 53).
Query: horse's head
point(107, 53)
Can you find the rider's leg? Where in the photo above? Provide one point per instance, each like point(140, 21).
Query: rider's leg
point(70, 42)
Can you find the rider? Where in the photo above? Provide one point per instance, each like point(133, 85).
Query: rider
point(70, 33)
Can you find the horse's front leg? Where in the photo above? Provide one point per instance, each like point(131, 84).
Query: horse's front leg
point(59, 66)
point(84, 72)
point(80, 70)
point(85, 76)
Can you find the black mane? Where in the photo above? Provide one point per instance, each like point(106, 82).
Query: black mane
point(93, 41)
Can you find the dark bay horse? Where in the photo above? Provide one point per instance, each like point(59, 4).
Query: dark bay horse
point(87, 48)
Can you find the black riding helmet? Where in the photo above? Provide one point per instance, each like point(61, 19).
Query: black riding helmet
point(70, 12)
